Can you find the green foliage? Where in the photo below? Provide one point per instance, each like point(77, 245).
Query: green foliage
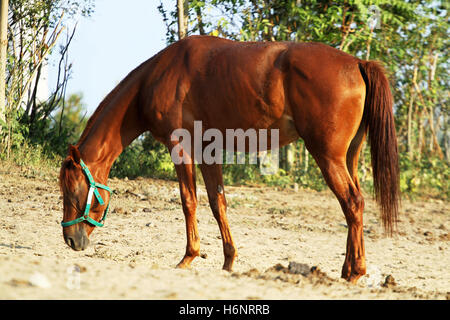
point(280, 179)
point(145, 157)
point(34, 29)
point(29, 155)
point(67, 123)
point(241, 174)
point(429, 176)
point(410, 37)
point(44, 143)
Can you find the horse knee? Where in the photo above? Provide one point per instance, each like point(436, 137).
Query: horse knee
point(354, 207)
point(218, 206)
point(358, 203)
point(189, 202)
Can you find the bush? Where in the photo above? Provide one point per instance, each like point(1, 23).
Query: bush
point(429, 176)
point(145, 157)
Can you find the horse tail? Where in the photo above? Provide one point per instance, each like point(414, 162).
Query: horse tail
point(379, 119)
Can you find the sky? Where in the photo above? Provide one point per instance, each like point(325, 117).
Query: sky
point(111, 43)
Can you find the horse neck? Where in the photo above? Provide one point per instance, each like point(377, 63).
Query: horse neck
point(112, 127)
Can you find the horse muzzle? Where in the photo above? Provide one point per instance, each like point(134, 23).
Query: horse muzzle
point(77, 241)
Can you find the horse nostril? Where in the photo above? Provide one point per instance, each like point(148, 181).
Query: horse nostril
point(70, 242)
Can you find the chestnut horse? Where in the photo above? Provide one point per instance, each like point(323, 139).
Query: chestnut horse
point(327, 97)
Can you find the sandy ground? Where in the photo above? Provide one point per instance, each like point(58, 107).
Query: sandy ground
point(134, 255)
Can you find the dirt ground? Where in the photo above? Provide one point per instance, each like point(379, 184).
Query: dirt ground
point(280, 235)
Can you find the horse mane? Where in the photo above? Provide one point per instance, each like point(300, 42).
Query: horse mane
point(99, 109)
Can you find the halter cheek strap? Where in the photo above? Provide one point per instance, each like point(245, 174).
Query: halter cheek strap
point(93, 190)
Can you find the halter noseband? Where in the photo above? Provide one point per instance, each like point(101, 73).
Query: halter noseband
point(93, 190)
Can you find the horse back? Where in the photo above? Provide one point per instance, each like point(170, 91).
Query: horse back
point(230, 84)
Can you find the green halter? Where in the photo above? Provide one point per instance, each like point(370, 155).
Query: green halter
point(93, 190)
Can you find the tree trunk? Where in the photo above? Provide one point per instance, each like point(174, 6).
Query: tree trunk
point(3, 53)
point(306, 160)
point(410, 142)
point(182, 18)
point(410, 112)
point(290, 156)
point(446, 136)
point(429, 113)
point(201, 27)
point(421, 139)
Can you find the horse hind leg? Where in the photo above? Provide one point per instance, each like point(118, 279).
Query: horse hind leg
point(338, 178)
point(353, 153)
point(212, 175)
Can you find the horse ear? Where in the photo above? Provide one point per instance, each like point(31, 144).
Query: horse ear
point(74, 153)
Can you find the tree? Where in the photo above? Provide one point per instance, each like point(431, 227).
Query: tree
point(182, 6)
point(70, 119)
point(3, 47)
point(410, 37)
point(34, 30)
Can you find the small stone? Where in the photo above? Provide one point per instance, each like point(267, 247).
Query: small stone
point(39, 280)
point(80, 268)
point(118, 210)
point(20, 283)
point(299, 268)
point(389, 282)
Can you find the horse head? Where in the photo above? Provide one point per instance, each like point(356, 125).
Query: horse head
point(85, 201)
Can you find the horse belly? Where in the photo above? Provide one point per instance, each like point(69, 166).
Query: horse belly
point(287, 131)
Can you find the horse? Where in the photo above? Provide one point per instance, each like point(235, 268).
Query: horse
point(328, 98)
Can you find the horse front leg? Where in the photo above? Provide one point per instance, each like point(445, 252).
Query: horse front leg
point(212, 175)
point(188, 192)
